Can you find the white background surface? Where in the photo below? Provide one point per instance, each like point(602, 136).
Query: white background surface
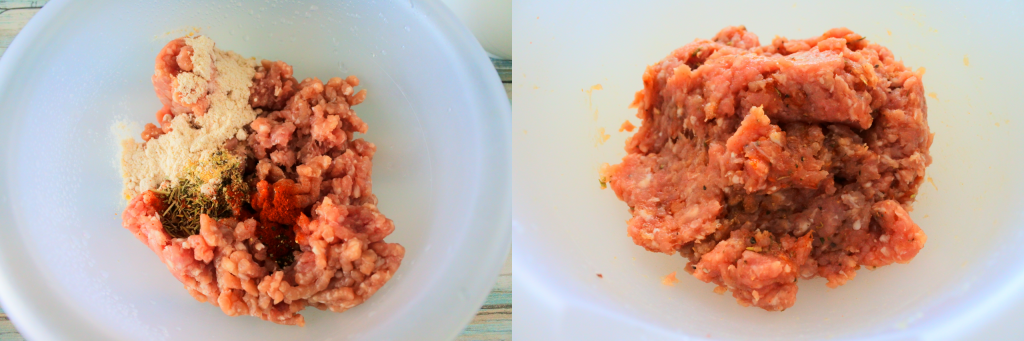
point(436, 111)
point(966, 281)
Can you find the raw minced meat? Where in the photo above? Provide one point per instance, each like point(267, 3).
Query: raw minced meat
point(310, 232)
point(765, 164)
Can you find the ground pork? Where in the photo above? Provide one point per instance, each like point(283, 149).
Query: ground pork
point(765, 164)
point(173, 60)
point(339, 265)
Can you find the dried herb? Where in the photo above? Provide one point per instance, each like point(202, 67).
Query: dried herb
point(211, 186)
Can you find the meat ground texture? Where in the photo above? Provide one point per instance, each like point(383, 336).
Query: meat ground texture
point(300, 150)
point(765, 164)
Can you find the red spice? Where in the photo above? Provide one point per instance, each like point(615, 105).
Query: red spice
point(235, 199)
point(277, 203)
point(278, 210)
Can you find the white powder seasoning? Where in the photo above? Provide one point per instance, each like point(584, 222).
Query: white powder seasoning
point(224, 77)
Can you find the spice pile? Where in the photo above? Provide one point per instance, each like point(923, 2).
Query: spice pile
point(253, 189)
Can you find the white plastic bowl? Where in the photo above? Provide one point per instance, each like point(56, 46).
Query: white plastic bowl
point(490, 21)
point(436, 110)
point(968, 282)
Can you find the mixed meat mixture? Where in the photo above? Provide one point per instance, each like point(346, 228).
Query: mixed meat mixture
point(766, 164)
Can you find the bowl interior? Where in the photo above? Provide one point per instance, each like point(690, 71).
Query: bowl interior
point(568, 229)
point(432, 110)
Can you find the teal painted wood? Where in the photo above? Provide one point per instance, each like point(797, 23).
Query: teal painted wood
point(7, 331)
point(504, 68)
point(493, 322)
point(13, 16)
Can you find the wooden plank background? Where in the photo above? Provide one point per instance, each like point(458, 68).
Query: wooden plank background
point(493, 322)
